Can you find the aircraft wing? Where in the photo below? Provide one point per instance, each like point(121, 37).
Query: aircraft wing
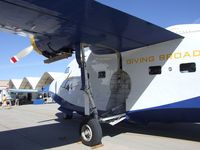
point(57, 25)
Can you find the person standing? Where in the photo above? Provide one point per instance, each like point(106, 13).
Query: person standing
point(17, 100)
point(4, 100)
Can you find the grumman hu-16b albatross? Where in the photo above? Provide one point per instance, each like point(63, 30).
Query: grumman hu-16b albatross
point(127, 68)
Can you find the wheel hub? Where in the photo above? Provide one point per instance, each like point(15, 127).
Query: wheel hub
point(86, 133)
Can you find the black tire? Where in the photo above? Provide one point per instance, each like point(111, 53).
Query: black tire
point(67, 116)
point(91, 132)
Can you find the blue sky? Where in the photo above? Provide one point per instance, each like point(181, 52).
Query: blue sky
point(159, 12)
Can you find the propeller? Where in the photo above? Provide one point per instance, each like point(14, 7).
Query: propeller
point(21, 54)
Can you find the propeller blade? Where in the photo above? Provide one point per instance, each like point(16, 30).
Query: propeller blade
point(21, 54)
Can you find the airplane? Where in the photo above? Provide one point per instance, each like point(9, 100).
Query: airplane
point(124, 67)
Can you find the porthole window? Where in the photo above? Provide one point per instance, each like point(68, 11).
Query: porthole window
point(187, 67)
point(101, 74)
point(154, 70)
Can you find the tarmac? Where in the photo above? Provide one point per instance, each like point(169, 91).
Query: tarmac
point(39, 127)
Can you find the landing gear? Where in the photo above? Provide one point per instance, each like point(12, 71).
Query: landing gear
point(91, 132)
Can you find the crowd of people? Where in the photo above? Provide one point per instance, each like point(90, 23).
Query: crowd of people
point(6, 102)
point(18, 99)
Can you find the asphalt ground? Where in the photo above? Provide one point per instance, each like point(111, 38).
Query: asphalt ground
point(38, 127)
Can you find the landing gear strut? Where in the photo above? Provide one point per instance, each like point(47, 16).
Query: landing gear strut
point(90, 130)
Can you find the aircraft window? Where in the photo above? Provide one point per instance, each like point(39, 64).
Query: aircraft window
point(153, 70)
point(65, 84)
point(187, 67)
point(101, 74)
point(67, 70)
point(67, 88)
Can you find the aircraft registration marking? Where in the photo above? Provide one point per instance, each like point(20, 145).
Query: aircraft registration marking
point(164, 57)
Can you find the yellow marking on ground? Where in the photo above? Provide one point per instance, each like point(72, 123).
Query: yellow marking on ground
point(97, 146)
point(79, 142)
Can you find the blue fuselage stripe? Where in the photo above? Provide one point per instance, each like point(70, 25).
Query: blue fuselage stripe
point(182, 111)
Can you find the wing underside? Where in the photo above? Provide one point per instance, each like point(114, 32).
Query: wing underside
point(58, 25)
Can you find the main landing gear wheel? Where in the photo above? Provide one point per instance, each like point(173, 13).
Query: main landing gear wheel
point(67, 116)
point(91, 132)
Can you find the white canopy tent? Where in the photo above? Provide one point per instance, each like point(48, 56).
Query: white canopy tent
point(15, 83)
point(29, 82)
point(47, 78)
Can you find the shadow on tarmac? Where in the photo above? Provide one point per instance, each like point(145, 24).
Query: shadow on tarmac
point(184, 131)
point(66, 132)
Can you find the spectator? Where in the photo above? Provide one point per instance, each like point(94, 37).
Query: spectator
point(4, 103)
point(17, 100)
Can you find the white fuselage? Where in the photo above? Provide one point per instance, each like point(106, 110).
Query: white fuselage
point(137, 88)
